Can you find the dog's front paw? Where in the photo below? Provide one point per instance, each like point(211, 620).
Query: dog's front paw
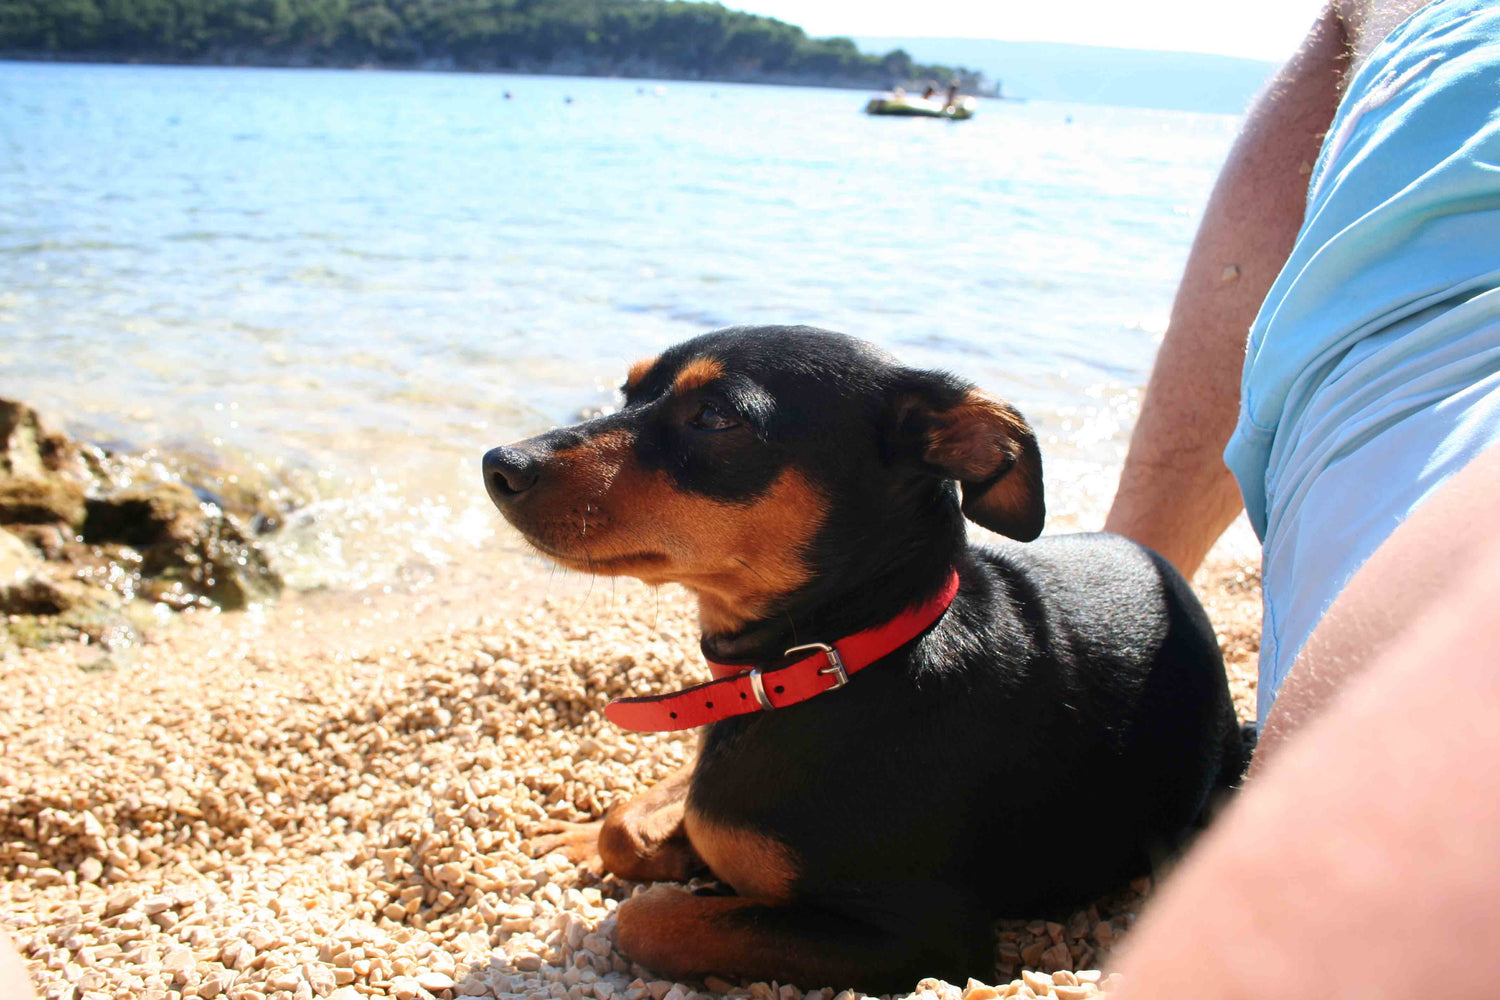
point(649, 926)
point(578, 842)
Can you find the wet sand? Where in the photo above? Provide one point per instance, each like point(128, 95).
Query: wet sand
point(331, 798)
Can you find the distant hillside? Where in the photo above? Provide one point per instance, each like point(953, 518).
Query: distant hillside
point(1049, 71)
point(637, 38)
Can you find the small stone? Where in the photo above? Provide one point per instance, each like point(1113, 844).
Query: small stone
point(1088, 975)
point(434, 981)
point(216, 984)
point(1230, 273)
point(1057, 957)
point(260, 938)
point(284, 980)
point(320, 977)
point(659, 989)
point(1065, 992)
point(1039, 982)
point(90, 869)
point(120, 901)
point(157, 904)
point(718, 985)
point(237, 955)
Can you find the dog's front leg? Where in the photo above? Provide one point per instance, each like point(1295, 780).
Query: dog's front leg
point(642, 839)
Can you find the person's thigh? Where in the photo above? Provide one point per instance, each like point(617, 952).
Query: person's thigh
point(1407, 577)
point(1364, 858)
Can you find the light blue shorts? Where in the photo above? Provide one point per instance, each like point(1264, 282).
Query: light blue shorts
point(1373, 369)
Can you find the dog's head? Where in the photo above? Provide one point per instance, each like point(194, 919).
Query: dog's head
point(748, 462)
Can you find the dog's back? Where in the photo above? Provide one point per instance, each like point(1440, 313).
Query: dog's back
point(1142, 722)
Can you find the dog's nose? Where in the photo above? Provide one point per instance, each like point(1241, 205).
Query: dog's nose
point(509, 472)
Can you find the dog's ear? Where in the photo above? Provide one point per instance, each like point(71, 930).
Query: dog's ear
point(983, 442)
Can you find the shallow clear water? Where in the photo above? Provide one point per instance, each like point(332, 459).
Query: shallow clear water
point(375, 276)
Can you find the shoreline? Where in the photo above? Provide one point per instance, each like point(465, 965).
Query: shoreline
point(654, 74)
point(329, 796)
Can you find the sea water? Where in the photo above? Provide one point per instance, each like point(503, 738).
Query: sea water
point(369, 278)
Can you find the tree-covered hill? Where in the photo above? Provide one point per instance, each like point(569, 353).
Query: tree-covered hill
point(645, 38)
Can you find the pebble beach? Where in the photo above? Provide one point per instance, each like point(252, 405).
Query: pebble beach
point(333, 292)
point(325, 799)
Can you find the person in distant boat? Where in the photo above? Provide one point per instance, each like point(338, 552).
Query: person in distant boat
point(1332, 367)
point(952, 94)
point(930, 92)
point(898, 93)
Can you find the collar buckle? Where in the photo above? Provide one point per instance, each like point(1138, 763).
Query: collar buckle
point(835, 666)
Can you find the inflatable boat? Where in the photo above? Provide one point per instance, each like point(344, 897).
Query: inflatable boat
point(907, 106)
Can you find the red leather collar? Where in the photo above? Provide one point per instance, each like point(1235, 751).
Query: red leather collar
point(739, 691)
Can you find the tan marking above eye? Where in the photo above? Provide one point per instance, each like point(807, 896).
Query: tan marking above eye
point(637, 372)
point(697, 373)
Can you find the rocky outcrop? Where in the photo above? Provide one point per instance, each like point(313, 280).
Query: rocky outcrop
point(87, 535)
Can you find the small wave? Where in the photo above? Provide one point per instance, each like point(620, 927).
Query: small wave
point(66, 246)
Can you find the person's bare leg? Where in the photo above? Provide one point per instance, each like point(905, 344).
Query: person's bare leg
point(1363, 858)
point(1176, 495)
point(15, 982)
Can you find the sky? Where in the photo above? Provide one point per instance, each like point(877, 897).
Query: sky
point(1264, 29)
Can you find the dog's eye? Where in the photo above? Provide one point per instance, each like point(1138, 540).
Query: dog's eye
point(709, 418)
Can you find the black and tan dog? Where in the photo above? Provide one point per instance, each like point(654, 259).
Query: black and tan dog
point(1027, 742)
